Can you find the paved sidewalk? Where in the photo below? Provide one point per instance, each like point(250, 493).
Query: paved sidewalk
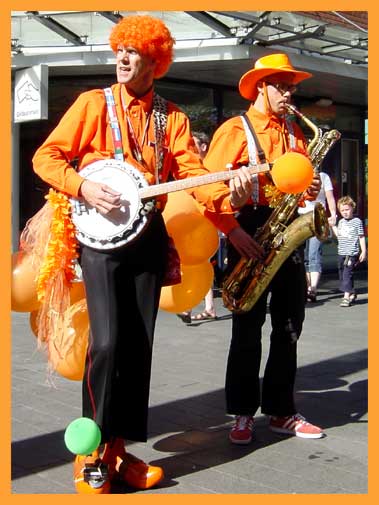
point(188, 425)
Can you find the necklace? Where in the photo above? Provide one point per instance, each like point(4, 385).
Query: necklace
point(137, 147)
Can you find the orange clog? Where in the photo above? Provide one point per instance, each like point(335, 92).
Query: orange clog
point(129, 468)
point(138, 474)
point(91, 475)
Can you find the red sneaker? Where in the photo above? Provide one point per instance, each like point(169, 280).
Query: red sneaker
point(295, 425)
point(242, 431)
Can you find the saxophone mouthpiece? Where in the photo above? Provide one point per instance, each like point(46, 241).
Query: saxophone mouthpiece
point(291, 108)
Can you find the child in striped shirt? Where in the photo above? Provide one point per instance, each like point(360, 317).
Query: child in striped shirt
point(351, 247)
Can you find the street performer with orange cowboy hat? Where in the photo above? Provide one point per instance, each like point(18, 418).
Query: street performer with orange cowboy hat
point(264, 133)
point(123, 285)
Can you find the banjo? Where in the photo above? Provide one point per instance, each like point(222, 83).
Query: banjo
point(123, 225)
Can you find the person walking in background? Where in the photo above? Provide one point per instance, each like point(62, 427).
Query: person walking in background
point(351, 247)
point(313, 246)
point(202, 143)
point(264, 133)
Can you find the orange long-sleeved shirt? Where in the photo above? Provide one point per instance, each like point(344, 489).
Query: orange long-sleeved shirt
point(84, 133)
point(229, 145)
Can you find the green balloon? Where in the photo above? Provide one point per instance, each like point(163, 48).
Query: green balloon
point(82, 436)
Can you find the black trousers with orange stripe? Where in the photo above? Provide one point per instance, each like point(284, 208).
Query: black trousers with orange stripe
point(122, 288)
point(243, 389)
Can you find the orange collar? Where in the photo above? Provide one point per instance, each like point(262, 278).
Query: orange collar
point(263, 121)
point(127, 98)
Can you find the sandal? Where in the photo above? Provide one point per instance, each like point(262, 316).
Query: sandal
point(185, 317)
point(203, 316)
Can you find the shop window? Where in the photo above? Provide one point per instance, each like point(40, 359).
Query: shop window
point(233, 104)
point(196, 101)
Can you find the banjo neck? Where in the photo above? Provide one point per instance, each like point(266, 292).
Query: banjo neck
point(192, 182)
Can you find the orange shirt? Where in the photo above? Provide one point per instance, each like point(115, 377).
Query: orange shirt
point(84, 133)
point(229, 144)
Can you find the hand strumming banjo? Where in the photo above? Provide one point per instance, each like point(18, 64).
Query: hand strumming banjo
point(123, 225)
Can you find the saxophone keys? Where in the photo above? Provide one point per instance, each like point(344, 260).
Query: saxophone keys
point(278, 240)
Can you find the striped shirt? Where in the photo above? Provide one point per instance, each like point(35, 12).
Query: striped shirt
point(348, 233)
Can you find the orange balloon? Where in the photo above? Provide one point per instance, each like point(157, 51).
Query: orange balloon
point(179, 203)
point(196, 281)
point(292, 172)
point(195, 237)
point(71, 366)
point(23, 283)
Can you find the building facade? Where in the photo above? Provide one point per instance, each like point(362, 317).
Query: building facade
point(213, 49)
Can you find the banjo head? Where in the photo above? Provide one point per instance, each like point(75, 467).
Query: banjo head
point(122, 225)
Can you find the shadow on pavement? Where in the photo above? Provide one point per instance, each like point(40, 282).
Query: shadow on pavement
point(323, 395)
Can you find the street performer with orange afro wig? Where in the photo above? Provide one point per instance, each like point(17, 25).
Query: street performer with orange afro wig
point(158, 45)
point(130, 122)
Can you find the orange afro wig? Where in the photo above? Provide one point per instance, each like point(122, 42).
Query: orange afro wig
point(150, 36)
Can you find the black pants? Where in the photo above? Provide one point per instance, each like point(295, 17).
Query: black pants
point(123, 289)
point(287, 310)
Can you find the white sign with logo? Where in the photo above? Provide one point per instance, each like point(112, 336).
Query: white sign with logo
point(31, 94)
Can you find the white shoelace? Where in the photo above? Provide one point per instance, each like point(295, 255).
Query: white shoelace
point(243, 422)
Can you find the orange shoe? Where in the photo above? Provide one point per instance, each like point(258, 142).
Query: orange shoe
point(114, 452)
point(130, 469)
point(91, 475)
point(138, 474)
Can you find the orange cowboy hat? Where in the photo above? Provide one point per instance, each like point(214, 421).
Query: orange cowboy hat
point(265, 66)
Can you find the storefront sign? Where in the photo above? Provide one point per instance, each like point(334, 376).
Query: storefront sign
point(31, 94)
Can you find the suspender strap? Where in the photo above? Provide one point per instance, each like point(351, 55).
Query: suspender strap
point(255, 150)
point(258, 148)
point(115, 127)
point(291, 134)
point(160, 123)
point(252, 142)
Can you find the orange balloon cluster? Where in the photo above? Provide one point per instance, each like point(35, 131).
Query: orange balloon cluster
point(292, 172)
point(196, 240)
point(24, 299)
point(24, 285)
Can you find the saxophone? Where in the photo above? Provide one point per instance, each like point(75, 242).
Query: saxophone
point(281, 234)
